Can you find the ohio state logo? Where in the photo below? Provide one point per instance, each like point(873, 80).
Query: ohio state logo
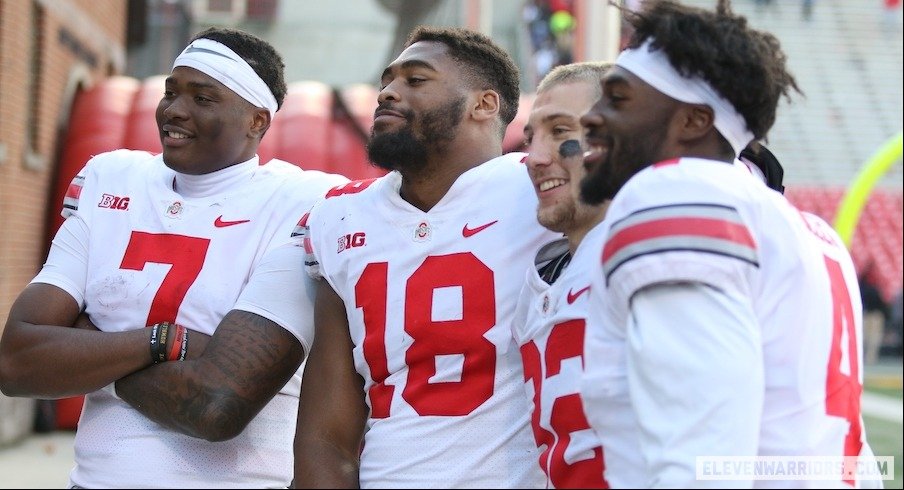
point(422, 232)
point(174, 210)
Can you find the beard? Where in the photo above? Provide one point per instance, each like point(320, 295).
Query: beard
point(557, 218)
point(403, 150)
point(599, 184)
point(604, 180)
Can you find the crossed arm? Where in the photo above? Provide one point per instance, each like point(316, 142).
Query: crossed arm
point(40, 359)
point(213, 394)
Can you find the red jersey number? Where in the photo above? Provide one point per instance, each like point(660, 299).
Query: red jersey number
point(566, 340)
point(843, 390)
point(462, 337)
point(186, 255)
point(352, 187)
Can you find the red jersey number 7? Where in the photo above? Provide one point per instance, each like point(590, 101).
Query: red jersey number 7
point(186, 256)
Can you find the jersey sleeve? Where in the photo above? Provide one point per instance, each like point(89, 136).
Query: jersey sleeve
point(278, 275)
point(305, 236)
point(82, 195)
point(658, 235)
point(302, 238)
point(73, 194)
point(328, 184)
point(67, 261)
point(695, 377)
point(313, 226)
point(278, 288)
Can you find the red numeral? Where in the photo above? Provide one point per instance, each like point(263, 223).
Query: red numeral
point(353, 187)
point(566, 340)
point(185, 254)
point(370, 294)
point(530, 356)
point(431, 338)
point(843, 390)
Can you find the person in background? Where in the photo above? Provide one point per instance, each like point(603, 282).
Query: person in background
point(730, 320)
point(894, 331)
point(188, 296)
point(806, 9)
point(414, 379)
point(552, 310)
point(875, 314)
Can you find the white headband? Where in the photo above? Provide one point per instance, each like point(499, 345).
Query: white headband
point(218, 61)
point(654, 68)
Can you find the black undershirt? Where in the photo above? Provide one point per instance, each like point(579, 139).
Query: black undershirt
point(551, 271)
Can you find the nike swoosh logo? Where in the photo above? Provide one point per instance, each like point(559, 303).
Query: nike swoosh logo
point(466, 232)
point(219, 223)
point(572, 297)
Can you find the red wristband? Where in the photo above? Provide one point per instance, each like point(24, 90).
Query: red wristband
point(179, 343)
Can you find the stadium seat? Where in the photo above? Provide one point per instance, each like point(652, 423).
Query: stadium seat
point(304, 131)
point(141, 129)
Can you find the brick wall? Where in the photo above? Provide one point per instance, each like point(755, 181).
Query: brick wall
point(78, 42)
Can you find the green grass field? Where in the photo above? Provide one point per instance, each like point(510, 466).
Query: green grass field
point(886, 437)
point(886, 440)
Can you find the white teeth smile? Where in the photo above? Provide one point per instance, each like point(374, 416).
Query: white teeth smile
point(177, 136)
point(549, 184)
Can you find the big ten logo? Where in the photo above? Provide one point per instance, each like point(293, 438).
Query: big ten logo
point(351, 240)
point(113, 202)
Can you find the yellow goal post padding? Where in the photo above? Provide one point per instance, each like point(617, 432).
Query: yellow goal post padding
point(854, 199)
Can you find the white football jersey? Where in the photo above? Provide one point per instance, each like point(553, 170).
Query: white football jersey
point(792, 287)
point(156, 256)
point(430, 298)
point(549, 328)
